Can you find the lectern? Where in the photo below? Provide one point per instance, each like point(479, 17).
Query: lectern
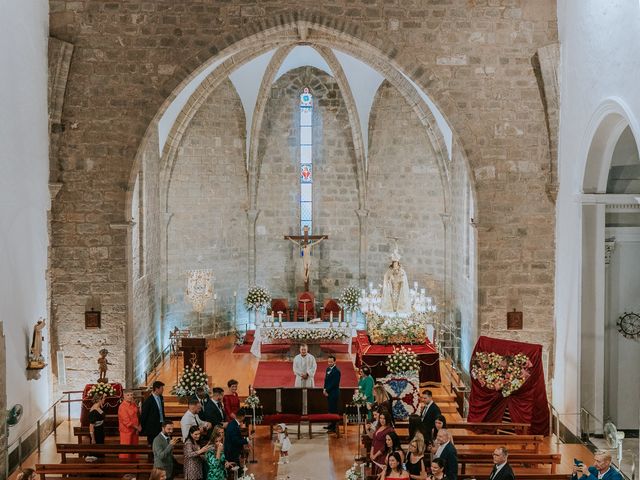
point(193, 350)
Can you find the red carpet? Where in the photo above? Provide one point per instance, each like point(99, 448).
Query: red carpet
point(272, 374)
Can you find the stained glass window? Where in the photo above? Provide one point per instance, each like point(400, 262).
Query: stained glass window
point(306, 160)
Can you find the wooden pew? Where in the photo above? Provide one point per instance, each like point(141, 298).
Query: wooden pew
point(141, 470)
point(486, 458)
point(520, 475)
point(113, 433)
point(510, 441)
point(483, 427)
point(108, 449)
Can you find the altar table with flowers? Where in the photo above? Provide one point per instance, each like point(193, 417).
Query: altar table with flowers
point(375, 356)
point(301, 332)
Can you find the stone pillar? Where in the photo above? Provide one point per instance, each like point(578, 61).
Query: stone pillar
point(252, 216)
point(363, 216)
point(446, 313)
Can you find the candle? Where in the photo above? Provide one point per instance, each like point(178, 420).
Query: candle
point(235, 294)
point(280, 317)
point(370, 285)
point(415, 285)
point(422, 291)
point(331, 317)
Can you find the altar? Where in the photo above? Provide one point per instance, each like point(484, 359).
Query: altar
point(295, 333)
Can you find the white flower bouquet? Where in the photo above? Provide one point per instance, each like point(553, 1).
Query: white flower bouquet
point(306, 334)
point(257, 298)
point(350, 299)
point(101, 388)
point(192, 378)
point(354, 473)
point(388, 330)
point(403, 361)
point(252, 401)
point(359, 399)
point(248, 476)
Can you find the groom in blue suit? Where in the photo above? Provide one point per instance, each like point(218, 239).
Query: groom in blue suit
point(331, 388)
point(602, 469)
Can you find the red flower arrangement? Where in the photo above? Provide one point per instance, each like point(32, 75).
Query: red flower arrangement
point(500, 373)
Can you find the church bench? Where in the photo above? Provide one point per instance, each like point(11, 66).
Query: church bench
point(485, 427)
point(80, 469)
point(89, 449)
point(324, 418)
point(510, 441)
point(277, 418)
point(112, 432)
point(517, 458)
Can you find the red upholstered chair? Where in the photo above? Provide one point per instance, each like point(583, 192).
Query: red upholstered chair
point(280, 305)
point(331, 305)
point(306, 300)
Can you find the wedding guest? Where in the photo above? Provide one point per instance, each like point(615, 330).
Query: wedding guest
point(393, 469)
point(158, 474)
point(193, 455)
point(207, 412)
point(378, 442)
point(439, 423)
point(447, 452)
point(369, 430)
point(430, 412)
point(331, 388)
point(416, 429)
point(234, 443)
point(128, 423)
point(415, 462)
point(163, 449)
point(231, 401)
point(216, 461)
point(96, 419)
point(284, 443)
point(501, 468)
point(601, 469)
point(152, 415)
point(218, 415)
point(365, 385)
point(192, 418)
point(391, 445)
point(381, 399)
point(27, 474)
point(304, 368)
point(438, 466)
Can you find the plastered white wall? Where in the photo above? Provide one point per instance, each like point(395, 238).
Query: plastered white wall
point(599, 42)
point(24, 196)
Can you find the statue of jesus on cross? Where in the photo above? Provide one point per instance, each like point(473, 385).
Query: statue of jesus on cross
point(305, 242)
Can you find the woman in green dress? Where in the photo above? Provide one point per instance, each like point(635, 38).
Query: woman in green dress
point(216, 462)
point(365, 385)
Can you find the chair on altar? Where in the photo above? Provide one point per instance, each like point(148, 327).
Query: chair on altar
point(331, 306)
point(306, 306)
point(280, 305)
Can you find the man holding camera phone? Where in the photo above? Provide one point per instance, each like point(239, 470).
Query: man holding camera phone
point(601, 469)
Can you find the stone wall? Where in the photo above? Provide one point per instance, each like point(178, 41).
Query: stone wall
point(207, 204)
point(335, 191)
point(405, 194)
point(474, 58)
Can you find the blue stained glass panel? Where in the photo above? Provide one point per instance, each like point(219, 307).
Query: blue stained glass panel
point(305, 154)
point(306, 192)
point(306, 211)
point(305, 136)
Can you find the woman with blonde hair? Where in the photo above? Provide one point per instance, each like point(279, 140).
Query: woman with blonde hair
point(415, 462)
point(158, 474)
point(96, 419)
point(27, 474)
point(381, 399)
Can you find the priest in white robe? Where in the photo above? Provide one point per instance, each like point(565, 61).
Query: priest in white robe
point(304, 367)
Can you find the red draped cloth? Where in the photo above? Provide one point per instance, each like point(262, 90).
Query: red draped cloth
point(528, 404)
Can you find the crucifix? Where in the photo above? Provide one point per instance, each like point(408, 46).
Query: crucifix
point(305, 242)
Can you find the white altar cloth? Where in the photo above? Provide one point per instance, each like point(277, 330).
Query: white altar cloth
point(260, 337)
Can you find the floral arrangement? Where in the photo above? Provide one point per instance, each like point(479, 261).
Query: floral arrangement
point(101, 389)
point(403, 361)
point(257, 298)
point(500, 373)
point(248, 476)
point(388, 330)
point(304, 334)
point(192, 378)
point(359, 399)
point(354, 473)
point(252, 400)
point(350, 299)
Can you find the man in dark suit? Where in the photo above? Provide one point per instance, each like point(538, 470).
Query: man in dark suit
point(501, 468)
point(331, 388)
point(234, 443)
point(601, 469)
point(208, 412)
point(430, 412)
point(448, 453)
point(152, 414)
point(163, 449)
point(217, 407)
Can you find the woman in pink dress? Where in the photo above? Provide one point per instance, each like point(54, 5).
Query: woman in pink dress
point(393, 470)
point(378, 442)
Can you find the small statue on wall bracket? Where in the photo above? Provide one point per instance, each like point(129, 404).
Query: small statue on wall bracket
point(103, 366)
point(36, 360)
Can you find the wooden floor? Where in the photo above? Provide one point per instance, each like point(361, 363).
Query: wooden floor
point(222, 365)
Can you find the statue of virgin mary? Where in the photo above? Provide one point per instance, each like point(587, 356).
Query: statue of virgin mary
point(395, 287)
